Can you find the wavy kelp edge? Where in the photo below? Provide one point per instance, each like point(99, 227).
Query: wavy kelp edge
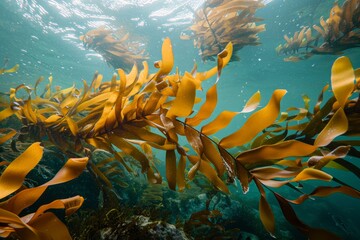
point(42, 224)
point(156, 111)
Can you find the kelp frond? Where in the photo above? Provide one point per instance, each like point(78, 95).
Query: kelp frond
point(218, 22)
point(136, 112)
point(42, 224)
point(117, 47)
point(338, 33)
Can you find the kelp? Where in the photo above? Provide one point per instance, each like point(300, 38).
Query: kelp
point(9, 70)
point(117, 47)
point(337, 33)
point(218, 22)
point(41, 224)
point(136, 112)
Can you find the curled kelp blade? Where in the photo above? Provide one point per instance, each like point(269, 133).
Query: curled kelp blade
point(292, 218)
point(342, 79)
point(266, 215)
point(13, 176)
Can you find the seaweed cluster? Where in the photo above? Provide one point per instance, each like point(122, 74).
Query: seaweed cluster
point(116, 46)
point(134, 113)
point(218, 22)
point(43, 223)
point(337, 33)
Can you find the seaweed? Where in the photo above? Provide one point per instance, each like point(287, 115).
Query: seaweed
point(136, 112)
point(116, 46)
point(43, 223)
point(338, 33)
point(218, 22)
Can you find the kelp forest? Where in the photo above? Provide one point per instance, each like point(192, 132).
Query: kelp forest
point(117, 134)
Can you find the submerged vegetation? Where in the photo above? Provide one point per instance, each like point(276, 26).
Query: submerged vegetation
point(132, 114)
point(336, 34)
point(117, 47)
point(41, 224)
point(218, 22)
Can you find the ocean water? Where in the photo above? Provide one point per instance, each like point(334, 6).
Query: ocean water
point(43, 38)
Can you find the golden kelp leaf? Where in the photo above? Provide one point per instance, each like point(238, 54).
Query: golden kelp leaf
point(289, 148)
point(206, 109)
point(95, 84)
point(13, 176)
point(144, 134)
point(312, 174)
point(10, 218)
point(226, 58)
point(185, 99)
point(10, 133)
point(7, 112)
point(266, 215)
point(342, 79)
point(72, 169)
point(72, 204)
point(220, 122)
point(180, 173)
point(291, 217)
point(357, 75)
point(100, 124)
point(72, 125)
point(29, 112)
point(256, 122)
point(52, 119)
point(171, 169)
point(47, 226)
point(167, 61)
point(319, 162)
point(272, 172)
point(193, 137)
point(100, 175)
point(324, 191)
point(212, 154)
point(210, 173)
point(13, 69)
point(252, 103)
point(337, 125)
point(128, 148)
point(196, 161)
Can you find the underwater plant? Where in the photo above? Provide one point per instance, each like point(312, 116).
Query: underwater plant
point(218, 22)
point(10, 70)
point(136, 112)
point(41, 224)
point(339, 32)
point(116, 46)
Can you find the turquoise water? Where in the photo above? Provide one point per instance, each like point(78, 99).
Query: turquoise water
point(43, 37)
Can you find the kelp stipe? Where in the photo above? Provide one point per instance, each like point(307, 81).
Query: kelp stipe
point(136, 112)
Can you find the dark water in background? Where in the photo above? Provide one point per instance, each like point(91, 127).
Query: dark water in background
point(43, 37)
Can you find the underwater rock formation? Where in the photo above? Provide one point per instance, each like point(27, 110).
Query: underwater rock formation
point(338, 33)
point(218, 22)
point(132, 114)
point(116, 47)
